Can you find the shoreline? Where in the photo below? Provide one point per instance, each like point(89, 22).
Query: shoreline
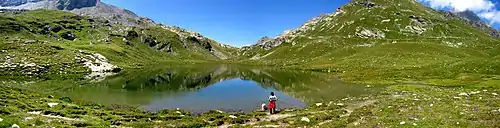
point(25, 108)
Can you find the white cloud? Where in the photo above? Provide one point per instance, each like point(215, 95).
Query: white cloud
point(484, 8)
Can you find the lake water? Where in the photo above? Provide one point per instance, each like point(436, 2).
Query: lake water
point(199, 88)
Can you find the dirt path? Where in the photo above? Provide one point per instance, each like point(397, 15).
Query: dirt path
point(350, 108)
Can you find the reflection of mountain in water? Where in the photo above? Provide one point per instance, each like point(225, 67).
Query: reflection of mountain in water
point(308, 86)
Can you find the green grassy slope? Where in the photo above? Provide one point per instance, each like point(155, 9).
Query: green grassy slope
point(37, 37)
point(384, 39)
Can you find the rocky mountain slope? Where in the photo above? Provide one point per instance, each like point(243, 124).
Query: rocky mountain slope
point(474, 20)
point(93, 8)
point(382, 38)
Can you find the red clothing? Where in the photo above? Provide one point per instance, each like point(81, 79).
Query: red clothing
point(272, 104)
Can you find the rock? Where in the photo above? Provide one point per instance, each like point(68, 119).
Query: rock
point(319, 104)
point(15, 126)
point(52, 104)
point(1, 119)
point(368, 86)
point(402, 122)
point(219, 111)
point(463, 94)
point(29, 41)
point(305, 119)
point(414, 124)
point(35, 112)
point(232, 116)
point(495, 94)
point(473, 93)
point(178, 112)
point(68, 36)
point(50, 96)
point(28, 118)
point(340, 104)
point(431, 105)
point(373, 33)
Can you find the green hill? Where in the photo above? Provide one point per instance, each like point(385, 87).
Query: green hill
point(46, 43)
point(382, 39)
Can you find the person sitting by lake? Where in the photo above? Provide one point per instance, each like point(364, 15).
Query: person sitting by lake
point(272, 103)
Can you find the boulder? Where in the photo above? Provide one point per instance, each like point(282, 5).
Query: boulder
point(68, 36)
point(52, 104)
point(305, 119)
point(15, 126)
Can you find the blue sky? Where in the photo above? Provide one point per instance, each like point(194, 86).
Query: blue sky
point(243, 22)
point(234, 22)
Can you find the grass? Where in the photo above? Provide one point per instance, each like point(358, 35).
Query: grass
point(38, 37)
point(448, 59)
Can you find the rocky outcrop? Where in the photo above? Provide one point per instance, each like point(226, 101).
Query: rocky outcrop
point(418, 25)
point(75, 4)
point(472, 19)
point(99, 65)
point(370, 33)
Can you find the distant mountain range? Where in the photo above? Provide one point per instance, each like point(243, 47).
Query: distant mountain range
point(361, 36)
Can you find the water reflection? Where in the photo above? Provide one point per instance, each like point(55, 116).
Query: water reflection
point(223, 87)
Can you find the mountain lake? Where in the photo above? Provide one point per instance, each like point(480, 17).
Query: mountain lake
point(200, 88)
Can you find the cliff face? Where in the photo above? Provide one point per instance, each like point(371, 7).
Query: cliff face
point(75, 4)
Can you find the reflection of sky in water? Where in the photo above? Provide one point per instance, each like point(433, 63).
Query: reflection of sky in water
point(233, 95)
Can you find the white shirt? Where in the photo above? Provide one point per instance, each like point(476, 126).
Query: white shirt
point(274, 98)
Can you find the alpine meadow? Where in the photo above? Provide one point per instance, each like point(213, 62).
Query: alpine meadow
point(368, 63)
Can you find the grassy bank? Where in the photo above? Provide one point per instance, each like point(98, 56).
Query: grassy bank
point(397, 106)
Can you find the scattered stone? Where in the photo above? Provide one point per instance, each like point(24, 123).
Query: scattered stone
point(232, 116)
point(340, 104)
point(305, 119)
point(29, 41)
point(485, 90)
point(28, 118)
point(52, 104)
point(219, 111)
point(414, 124)
point(178, 112)
point(369, 86)
point(15, 126)
point(431, 105)
point(35, 112)
point(495, 94)
point(473, 93)
point(457, 97)
point(319, 104)
point(402, 122)
point(463, 94)
point(1, 119)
